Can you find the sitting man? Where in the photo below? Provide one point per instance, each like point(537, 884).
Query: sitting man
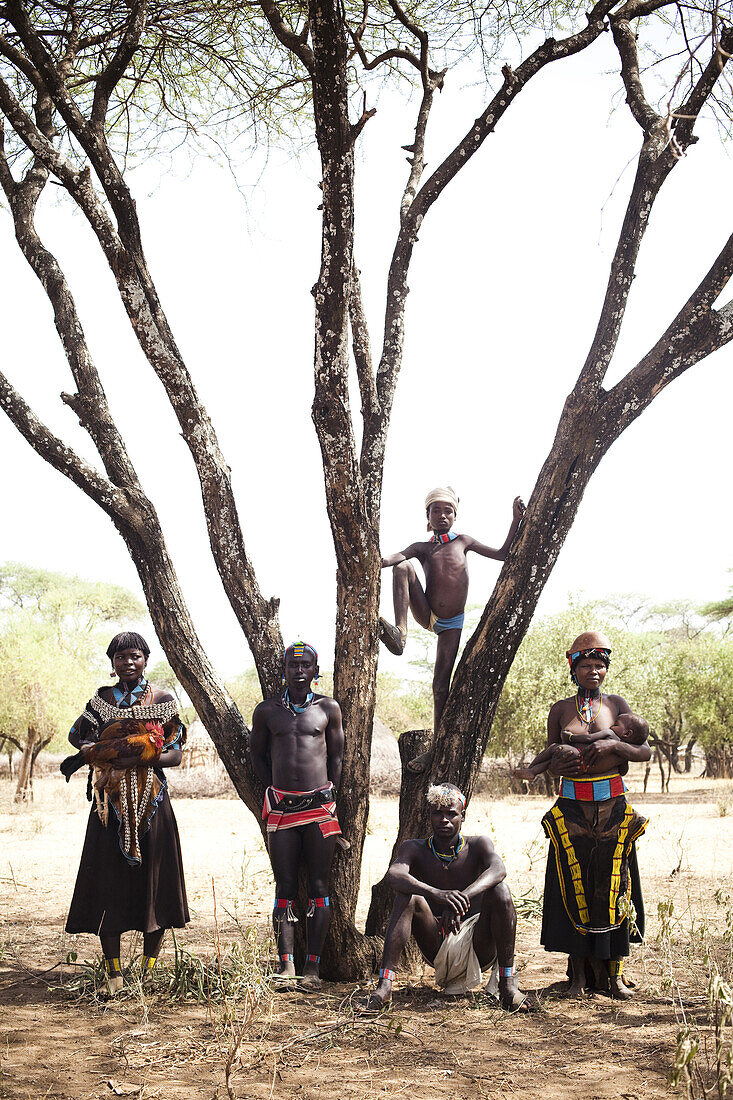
point(629, 728)
point(297, 746)
point(453, 898)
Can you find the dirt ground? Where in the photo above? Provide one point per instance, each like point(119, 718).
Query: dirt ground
point(61, 1045)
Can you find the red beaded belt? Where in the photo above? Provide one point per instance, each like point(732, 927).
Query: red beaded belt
point(598, 789)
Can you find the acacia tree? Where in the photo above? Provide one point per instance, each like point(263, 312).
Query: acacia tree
point(75, 71)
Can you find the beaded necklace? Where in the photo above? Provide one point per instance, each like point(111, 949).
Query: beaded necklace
point(455, 849)
point(584, 707)
point(444, 538)
point(293, 707)
point(127, 695)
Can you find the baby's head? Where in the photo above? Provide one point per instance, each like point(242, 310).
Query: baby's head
point(631, 728)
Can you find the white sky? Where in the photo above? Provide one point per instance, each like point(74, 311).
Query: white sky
point(506, 284)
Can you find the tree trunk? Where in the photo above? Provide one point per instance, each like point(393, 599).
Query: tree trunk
point(411, 744)
point(689, 748)
point(24, 788)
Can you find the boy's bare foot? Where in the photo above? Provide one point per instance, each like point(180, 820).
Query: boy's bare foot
point(310, 983)
point(391, 637)
point(421, 763)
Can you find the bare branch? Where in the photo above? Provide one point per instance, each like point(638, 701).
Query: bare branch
point(696, 331)
point(625, 40)
point(388, 55)
point(658, 157)
point(686, 115)
point(361, 349)
point(292, 41)
point(111, 500)
point(117, 67)
point(421, 36)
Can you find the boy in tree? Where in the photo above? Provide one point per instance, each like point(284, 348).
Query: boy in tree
point(441, 604)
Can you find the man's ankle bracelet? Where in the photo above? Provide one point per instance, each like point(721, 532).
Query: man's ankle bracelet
point(507, 971)
point(385, 972)
point(112, 966)
point(317, 903)
point(313, 958)
point(287, 958)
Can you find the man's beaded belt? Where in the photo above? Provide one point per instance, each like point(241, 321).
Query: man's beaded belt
point(598, 789)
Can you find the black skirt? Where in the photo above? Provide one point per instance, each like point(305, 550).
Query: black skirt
point(113, 896)
point(559, 934)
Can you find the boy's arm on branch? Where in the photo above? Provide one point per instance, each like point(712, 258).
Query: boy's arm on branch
point(412, 551)
point(400, 878)
point(494, 870)
point(334, 743)
point(518, 510)
point(259, 745)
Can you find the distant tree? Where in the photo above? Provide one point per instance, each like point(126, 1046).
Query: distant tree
point(54, 630)
point(719, 610)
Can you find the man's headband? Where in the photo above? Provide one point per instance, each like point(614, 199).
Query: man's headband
point(297, 649)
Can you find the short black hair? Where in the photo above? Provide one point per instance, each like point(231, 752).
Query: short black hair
point(128, 639)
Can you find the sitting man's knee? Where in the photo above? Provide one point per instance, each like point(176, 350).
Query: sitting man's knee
point(500, 896)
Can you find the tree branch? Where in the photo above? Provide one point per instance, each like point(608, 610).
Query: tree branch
point(361, 349)
point(110, 77)
point(110, 499)
point(292, 41)
point(696, 331)
point(657, 159)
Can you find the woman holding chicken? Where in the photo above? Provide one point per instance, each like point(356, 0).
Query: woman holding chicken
point(131, 873)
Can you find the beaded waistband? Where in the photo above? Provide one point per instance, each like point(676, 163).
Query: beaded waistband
point(598, 789)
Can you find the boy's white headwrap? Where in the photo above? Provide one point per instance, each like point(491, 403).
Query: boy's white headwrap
point(444, 493)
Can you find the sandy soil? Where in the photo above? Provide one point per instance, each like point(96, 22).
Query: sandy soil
point(61, 1046)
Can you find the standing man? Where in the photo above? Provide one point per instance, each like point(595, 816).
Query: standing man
point(452, 896)
point(297, 746)
point(592, 879)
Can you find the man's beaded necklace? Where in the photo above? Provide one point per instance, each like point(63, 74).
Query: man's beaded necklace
point(453, 854)
point(293, 707)
point(448, 537)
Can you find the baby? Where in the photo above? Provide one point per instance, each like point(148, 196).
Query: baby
point(628, 727)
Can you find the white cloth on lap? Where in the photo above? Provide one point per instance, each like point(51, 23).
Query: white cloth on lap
point(457, 969)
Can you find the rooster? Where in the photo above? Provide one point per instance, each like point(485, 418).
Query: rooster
point(138, 743)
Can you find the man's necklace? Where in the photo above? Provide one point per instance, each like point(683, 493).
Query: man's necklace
point(293, 707)
point(584, 707)
point(444, 538)
point(453, 854)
